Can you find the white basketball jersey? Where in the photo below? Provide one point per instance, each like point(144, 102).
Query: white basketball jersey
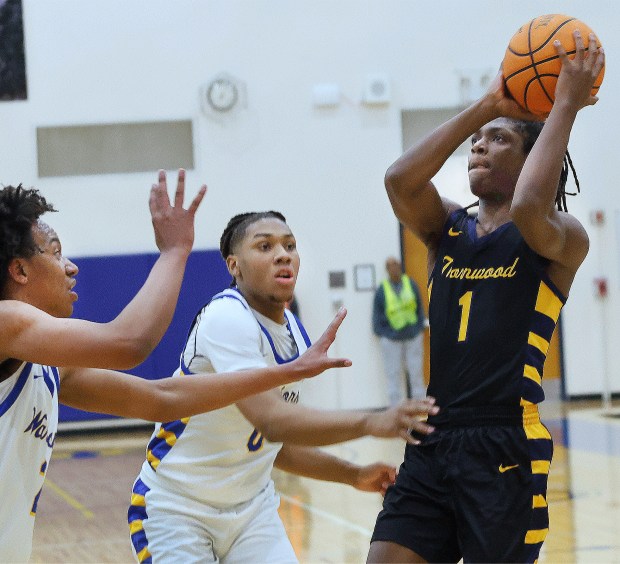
point(219, 458)
point(28, 423)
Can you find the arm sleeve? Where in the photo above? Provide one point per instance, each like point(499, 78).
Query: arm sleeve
point(229, 337)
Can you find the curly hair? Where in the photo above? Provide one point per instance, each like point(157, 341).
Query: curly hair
point(20, 208)
point(236, 228)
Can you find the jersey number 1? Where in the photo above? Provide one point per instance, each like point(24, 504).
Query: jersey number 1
point(465, 303)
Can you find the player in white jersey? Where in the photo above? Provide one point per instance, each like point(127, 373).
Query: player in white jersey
point(236, 462)
point(36, 298)
point(205, 492)
point(28, 421)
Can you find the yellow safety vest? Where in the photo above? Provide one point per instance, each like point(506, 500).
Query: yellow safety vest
point(400, 310)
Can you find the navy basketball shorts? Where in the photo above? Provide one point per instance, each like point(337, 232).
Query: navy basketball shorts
point(476, 493)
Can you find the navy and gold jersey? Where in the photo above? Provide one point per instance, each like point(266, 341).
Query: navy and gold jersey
point(492, 313)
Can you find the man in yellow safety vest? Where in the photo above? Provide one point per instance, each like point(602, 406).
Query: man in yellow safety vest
point(399, 320)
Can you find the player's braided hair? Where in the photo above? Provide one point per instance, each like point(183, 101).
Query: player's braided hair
point(560, 198)
point(20, 208)
point(236, 228)
point(530, 130)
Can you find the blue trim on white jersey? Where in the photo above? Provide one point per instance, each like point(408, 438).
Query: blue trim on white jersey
point(278, 358)
point(160, 446)
point(222, 295)
point(184, 368)
point(302, 330)
point(17, 388)
point(138, 513)
point(50, 380)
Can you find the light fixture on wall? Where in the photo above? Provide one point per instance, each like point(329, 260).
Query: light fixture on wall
point(326, 95)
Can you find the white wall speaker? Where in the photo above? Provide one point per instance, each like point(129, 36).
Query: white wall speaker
point(377, 90)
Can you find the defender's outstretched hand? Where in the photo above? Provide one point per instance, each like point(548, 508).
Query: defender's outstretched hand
point(173, 225)
point(400, 420)
point(377, 477)
point(315, 359)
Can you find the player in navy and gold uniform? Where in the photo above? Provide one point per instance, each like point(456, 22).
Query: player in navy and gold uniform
point(489, 293)
point(476, 488)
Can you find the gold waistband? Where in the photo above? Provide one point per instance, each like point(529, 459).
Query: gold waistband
point(531, 415)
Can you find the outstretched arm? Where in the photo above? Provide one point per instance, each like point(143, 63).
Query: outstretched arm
point(317, 464)
point(153, 307)
point(116, 393)
point(553, 234)
point(284, 422)
point(27, 333)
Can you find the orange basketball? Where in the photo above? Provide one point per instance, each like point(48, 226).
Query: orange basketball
point(531, 65)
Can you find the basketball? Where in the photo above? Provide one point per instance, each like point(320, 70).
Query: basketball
point(531, 65)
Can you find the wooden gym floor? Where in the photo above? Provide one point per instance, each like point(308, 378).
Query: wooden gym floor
point(82, 511)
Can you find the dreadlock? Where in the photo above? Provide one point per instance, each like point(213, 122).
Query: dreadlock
point(530, 130)
point(560, 197)
point(236, 228)
point(20, 208)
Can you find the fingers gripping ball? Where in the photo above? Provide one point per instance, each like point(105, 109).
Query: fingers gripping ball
point(531, 65)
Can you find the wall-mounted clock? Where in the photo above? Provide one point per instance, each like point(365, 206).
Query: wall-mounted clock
point(222, 94)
